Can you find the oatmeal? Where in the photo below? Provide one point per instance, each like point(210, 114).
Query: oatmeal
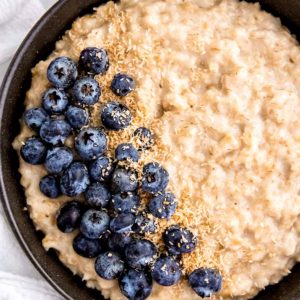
point(217, 81)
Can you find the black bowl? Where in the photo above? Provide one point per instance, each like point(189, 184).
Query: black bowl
point(37, 46)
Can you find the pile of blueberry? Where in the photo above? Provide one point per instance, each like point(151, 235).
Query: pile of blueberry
point(111, 222)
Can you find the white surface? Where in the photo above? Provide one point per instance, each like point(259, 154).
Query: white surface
point(18, 278)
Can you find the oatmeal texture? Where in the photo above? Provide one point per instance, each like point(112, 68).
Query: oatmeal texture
point(219, 84)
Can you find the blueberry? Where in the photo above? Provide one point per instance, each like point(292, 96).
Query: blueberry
point(122, 223)
point(179, 240)
point(115, 116)
point(122, 84)
point(69, 216)
point(97, 195)
point(94, 60)
point(135, 285)
point(144, 138)
point(126, 151)
point(205, 282)
point(55, 100)
point(155, 178)
point(117, 241)
point(90, 143)
point(62, 72)
point(144, 223)
point(163, 205)
point(94, 223)
point(166, 271)
point(49, 186)
point(86, 247)
point(75, 179)
point(109, 265)
point(126, 202)
point(87, 91)
point(58, 159)
point(101, 169)
point(140, 253)
point(55, 132)
point(33, 151)
point(124, 180)
point(77, 117)
point(35, 117)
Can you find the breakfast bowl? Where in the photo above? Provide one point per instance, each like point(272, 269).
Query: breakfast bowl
point(37, 46)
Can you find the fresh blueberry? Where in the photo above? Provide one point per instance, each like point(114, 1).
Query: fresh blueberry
point(69, 216)
point(97, 195)
point(179, 240)
point(75, 179)
point(109, 265)
point(62, 72)
point(140, 253)
point(135, 285)
point(205, 282)
point(122, 84)
point(115, 116)
point(49, 186)
point(124, 180)
point(94, 60)
point(35, 117)
point(155, 178)
point(33, 151)
point(163, 205)
point(77, 117)
point(86, 247)
point(90, 143)
point(58, 159)
point(117, 241)
point(144, 138)
point(166, 271)
point(87, 91)
point(94, 223)
point(144, 223)
point(101, 169)
point(54, 131)
point(122, 223)
point(55, 101)
point(126, 151)
point(126, 202)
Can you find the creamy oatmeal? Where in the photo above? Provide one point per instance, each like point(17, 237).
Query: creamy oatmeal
point(218, 82)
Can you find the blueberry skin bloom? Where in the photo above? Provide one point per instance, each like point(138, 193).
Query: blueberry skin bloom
point(35, 117)
point(140, 254)
point(97, 195)
point(122, 84)
point(94, 60)
point(90, 143)
point(126, 202)
point(94, 223)
point(135, 285)
point(166, 271)
point(58, 159)
point(62, 72)
point(155, 178)
point(33, 151)
point(55, 101)
point(77, 117)
point(144, 224)
point(86, 247)
point(101, 169)
point(163, 205)
point(55, 132)
point(126, 151)
point(144, 138)
point(109, 265)
point(205, 281)
point(117, 241)
point(122, 223)
point(87, 91)
point(49, 186)
point(115, 116)
point(69, 216)
point(179, 240)
point(124, 180)
point(75, 179)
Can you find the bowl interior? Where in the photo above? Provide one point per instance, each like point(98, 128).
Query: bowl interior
point(37, 46)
